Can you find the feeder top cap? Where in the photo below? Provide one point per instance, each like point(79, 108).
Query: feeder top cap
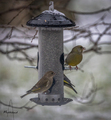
point(51, 18)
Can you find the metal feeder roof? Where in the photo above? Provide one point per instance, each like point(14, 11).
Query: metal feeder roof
point(51, 18)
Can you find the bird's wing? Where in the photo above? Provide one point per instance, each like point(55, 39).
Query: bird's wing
point(42, 81)
point(48, 83)
point(73, 59)
point(42, 85)
point(69, 86)
point(67, 81)
point(69, 56)
point(37, 86)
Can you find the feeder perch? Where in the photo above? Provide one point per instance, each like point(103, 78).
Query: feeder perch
point(50, 25)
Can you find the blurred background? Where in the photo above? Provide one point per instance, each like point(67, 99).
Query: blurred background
point(19, 47)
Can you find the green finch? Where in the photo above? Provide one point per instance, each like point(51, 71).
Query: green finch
point(75, 56)
point(68, 83)
point(42, 85)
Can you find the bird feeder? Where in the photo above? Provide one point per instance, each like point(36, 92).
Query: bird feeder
point(50, 25)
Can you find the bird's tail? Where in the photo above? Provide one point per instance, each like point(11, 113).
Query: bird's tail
point(70, 86)
point(24, 95)
point(73, 89)
point(28, 92)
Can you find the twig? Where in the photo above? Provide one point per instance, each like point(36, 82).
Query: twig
point(34, 35)
point(90, 13)
point(21, 107)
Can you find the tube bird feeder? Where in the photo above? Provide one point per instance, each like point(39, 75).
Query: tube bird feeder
point(50, 25)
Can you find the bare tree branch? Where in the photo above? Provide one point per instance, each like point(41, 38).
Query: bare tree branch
point(89, 13)
point(19, 8)
point(15, 16)
point(21, 107)
point(25, 38)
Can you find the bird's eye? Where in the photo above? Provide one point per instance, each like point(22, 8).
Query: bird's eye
point(52, 73)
